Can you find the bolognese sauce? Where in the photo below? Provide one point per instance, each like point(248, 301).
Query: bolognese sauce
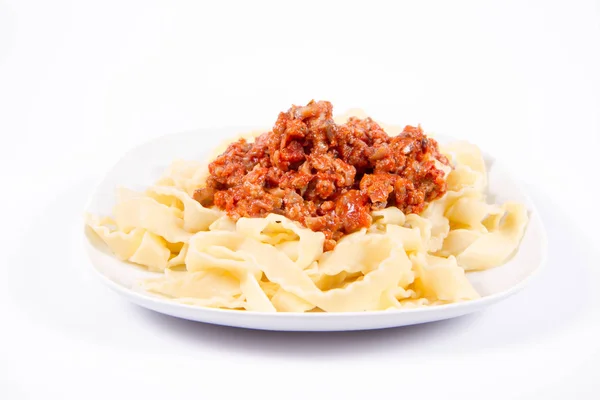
point(327, 176)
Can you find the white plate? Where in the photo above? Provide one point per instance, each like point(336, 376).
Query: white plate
point(143, 165)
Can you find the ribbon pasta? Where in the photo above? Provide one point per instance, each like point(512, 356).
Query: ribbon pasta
point(273, 264)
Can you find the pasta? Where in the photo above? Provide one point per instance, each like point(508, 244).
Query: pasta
point(274, 264)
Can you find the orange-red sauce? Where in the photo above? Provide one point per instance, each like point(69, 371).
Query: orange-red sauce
point(326, 176)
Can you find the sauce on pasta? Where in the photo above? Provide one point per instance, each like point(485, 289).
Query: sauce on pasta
point(327, 176)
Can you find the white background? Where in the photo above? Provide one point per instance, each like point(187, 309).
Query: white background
point(81, 82)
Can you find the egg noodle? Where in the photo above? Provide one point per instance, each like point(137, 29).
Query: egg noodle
point(275, 264)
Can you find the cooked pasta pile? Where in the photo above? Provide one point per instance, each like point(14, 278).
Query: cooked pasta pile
point(274, 264)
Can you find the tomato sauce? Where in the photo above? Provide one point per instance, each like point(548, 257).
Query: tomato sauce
point(326, 176)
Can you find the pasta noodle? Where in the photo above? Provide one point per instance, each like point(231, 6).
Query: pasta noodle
point(274, 264)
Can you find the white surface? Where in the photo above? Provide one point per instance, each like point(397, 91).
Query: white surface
point(82, 82)
point(143, 165)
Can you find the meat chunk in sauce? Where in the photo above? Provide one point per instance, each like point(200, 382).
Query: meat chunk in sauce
point(326, 176)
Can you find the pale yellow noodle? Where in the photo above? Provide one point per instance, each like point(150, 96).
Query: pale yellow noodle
point(274, 264)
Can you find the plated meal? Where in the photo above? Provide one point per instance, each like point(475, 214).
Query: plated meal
point(318, 214)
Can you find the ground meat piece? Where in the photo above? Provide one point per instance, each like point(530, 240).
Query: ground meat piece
point(379, 153)
point(205, 196)
point(325, 185)
point(378, 187)
point(326, 176)
point(353, 206)
point(246, 200)
point(411, 199)
point(291, 155)
point(296, 181)
point(342, 173)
